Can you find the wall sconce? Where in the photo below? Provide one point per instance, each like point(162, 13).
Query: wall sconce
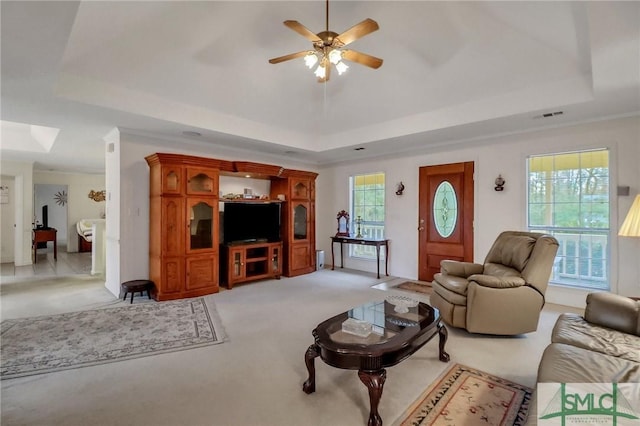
point(499, 183)
point(400, 188)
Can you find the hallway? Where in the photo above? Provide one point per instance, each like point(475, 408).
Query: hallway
point(67, 264)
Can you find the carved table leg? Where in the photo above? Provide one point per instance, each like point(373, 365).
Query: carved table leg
point(374, 381)
point(443, 334)
point(312, 353)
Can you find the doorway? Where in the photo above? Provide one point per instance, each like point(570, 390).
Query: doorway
point(50, 208)
point(445, 229)
point(7, 219)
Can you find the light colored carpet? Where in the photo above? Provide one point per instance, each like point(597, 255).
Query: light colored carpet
point(467, 396)
point(256, 376)
point(49, 343)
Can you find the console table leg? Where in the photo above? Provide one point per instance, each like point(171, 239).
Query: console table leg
point(333, 258)
point(312, 353)
point(374, 381)
point(378, 259)
point(443, 334)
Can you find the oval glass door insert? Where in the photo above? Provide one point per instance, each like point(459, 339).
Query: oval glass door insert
point(445, 209)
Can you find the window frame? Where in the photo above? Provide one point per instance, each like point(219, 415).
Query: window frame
point(609, 277)
point(362, 252)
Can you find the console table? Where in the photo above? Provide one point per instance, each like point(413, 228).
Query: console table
point(364, 242)
point(42, 236)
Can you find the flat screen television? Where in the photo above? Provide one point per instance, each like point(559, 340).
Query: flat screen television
point(45, 217)
point(250, 222)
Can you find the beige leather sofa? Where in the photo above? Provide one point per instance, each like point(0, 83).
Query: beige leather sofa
point(603, 346)
point(505, 295)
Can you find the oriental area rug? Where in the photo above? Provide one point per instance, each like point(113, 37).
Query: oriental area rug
point(46, 344)
point(466, 396)
point(415, 287)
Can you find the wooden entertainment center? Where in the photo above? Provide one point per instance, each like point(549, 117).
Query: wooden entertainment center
point(185, 255)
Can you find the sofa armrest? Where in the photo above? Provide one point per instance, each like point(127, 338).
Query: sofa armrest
point(497, 282)
point(613, 311)
point(460, 269)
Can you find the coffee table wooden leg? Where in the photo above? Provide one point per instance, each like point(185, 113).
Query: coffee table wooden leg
point(443, 334)
point(374, 381)
point(312, 353)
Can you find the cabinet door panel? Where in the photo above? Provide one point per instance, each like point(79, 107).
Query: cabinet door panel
point(300, 189)
point(300, 256)
point(202, 271)
point(172, 179)
point(172, 275)
point(202, 225)
point(236, 265)
point(172, 226)
point(300, 213)
point(275, 257)
point(202, 181)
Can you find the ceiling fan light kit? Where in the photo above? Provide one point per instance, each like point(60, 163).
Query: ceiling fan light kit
point(328, 48)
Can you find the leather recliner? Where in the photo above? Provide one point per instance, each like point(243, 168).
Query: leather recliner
point(503, 296)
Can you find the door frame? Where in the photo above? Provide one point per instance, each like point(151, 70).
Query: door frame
point(425, 210)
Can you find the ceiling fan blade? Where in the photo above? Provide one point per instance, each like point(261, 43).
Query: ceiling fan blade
point(302, 30)
point(362, 58)
point(359, 30)
point(288, 57)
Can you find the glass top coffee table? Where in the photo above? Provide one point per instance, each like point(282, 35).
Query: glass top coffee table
point(386, 334)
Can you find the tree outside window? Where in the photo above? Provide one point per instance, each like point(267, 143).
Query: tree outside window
point(367, 211)
point(568, 197)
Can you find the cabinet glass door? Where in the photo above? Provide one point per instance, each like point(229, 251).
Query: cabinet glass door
point(275, 260)
point(201, 232)
point(300, 222)
point(238, 264)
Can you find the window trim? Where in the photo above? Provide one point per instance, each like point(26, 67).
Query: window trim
point(352, 217)
point(612, 235)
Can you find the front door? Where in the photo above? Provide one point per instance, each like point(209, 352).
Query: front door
point(445, 229)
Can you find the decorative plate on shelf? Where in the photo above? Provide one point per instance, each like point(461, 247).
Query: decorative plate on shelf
point(402, 303)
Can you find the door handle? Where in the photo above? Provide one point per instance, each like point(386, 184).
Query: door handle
point(421, 225)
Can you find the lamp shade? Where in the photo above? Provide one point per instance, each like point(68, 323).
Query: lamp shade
point(631, 225)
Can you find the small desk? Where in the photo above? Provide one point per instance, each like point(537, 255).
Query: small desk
point(364, 242)
point(42, 236)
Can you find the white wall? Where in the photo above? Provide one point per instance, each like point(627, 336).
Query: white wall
point(23, 175)
point(7, 221)
point(494, 211)
point(112, 233)
point(79, 205)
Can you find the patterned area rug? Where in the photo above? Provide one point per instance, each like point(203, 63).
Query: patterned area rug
point(415, 287)
point(45, 344)
point(465, 396)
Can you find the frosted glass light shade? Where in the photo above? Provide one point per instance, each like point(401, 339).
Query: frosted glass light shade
point(310, 60)
point(341, 67)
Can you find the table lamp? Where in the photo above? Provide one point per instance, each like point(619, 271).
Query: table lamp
point(631, 225)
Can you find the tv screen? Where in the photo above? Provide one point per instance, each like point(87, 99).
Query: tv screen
point(251, 222)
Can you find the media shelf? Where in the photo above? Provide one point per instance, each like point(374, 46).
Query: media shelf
point(250, 261)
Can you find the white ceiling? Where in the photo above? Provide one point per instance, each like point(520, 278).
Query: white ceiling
point(453, 72)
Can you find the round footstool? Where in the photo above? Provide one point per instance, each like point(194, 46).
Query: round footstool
point(137, 286)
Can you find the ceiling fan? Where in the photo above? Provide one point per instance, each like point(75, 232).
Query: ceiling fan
point(328, 48)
